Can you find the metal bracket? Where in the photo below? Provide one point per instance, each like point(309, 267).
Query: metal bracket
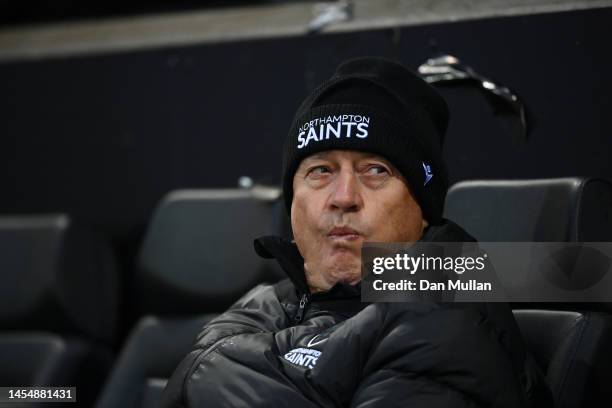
point(448, 70)
point(327, 14)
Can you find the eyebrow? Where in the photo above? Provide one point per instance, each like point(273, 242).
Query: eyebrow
point(369, 155)
point(320, 155)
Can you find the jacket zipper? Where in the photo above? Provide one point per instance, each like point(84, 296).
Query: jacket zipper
point(299, 315)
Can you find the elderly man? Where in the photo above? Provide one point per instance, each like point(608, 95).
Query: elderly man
point(362, 163)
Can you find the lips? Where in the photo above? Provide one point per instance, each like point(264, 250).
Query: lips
point(343, 234)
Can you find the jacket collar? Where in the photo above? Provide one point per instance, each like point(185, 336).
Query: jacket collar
point(288, 257)
point(291, 261)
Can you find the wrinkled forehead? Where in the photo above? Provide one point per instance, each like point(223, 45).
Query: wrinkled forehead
point(344, 155)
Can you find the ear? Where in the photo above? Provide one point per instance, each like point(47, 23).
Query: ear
point(424, 225)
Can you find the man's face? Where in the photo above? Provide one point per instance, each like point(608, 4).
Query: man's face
point(342, 199)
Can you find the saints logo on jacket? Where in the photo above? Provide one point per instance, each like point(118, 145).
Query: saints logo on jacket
point(306, 356)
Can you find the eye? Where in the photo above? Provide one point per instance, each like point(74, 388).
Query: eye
point(375, 175)
point(318, 171)
point(376, 169)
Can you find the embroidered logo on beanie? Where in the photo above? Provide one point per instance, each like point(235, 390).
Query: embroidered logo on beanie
point(428, 173)
point(338, 126)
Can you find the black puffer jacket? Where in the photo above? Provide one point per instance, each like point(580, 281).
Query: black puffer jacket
point(280, 347)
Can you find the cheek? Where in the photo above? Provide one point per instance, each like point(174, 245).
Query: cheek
point(411, 222)
point(296, 214)
point(398, 218)
point(303, 221)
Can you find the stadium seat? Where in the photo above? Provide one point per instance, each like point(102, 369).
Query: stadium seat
point(197, 257)
point(197, 254)
point(57, 305)
point(572, 347)
point(153, 350)
point(543, 210)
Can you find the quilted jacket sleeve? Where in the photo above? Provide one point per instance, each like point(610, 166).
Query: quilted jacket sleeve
point(447, 357)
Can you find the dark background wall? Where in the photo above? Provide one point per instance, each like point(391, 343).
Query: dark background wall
point(104, 137)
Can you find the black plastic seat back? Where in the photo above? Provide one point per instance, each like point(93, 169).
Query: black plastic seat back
point(546, 210)
point(198, 254)
point(574, 349)
point(196, 259)
point(154, 349)
point(58, 301)
point(56, 276)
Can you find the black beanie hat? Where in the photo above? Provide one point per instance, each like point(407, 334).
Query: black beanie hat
point(378, 106)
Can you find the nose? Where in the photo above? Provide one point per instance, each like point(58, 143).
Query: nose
point(345, 194)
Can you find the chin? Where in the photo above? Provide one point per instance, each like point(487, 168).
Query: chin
point(348, 271)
